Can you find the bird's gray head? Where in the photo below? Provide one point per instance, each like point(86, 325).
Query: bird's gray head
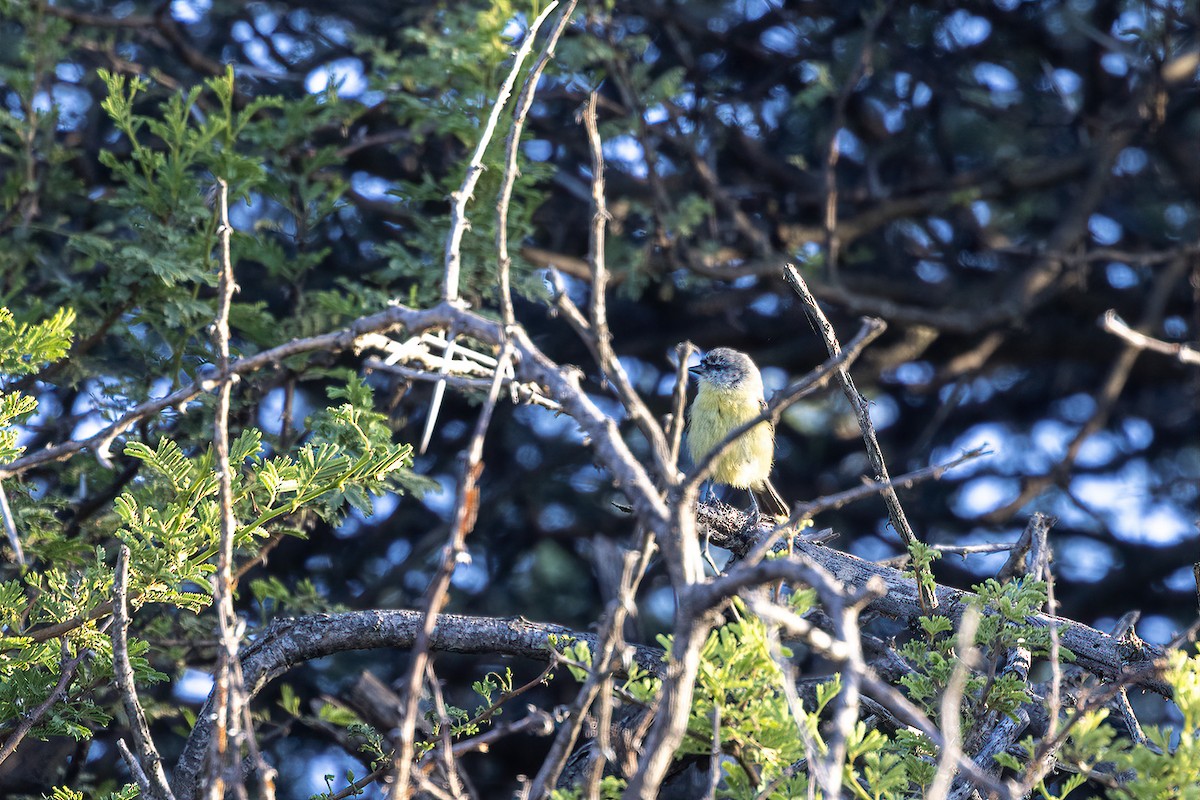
point(727, 369)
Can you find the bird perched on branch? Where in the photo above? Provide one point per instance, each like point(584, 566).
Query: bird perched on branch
point(730, 394)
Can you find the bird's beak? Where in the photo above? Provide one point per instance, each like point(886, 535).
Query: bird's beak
point(696, 370)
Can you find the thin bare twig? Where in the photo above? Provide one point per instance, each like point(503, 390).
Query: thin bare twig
point(714, 755)
point(571, 313)
point(10, 527)
point(606, 659)
point(538, 723)
point(511, 146)
point(148, 757)
point(598, 307)
point(466, 510)
point(459, 198)
point(1118, 327)
point(813, 635)
point(863, 413)
point(1042, 572)
point(225, 747)
point(265, 773)
point(808, 510)
point(447, 749)
point(285, 416)
point(458, 206)
point(683, 353)
point(1132, 723)
point(952, 706)
point(598, 301)
point(603, 749)
point(974, 549)
point(135, 769)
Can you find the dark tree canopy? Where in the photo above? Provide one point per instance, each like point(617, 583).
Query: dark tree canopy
point(1013, 187)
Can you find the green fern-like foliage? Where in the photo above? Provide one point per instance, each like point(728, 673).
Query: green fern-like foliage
point(765, 739)
point(767, 743)
point(172, 520)
point(1162, 767)
point(1003, 625)
point(610, 789)
point(25, 348)
point(450, 92)
point(127, 792)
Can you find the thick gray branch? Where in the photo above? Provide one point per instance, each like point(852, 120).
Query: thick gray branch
point(288, 643)
point(1134, 662)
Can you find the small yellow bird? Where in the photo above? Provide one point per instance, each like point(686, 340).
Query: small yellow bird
point(730, 394)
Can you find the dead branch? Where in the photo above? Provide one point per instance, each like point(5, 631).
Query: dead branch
point(863, 412)
point(148, 760)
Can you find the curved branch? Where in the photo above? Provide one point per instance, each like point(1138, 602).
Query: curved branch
point(287, 643)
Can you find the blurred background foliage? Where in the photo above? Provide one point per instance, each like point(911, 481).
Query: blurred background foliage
point(989, 177)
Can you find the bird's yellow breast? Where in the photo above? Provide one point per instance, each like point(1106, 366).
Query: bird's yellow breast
point(714, 414)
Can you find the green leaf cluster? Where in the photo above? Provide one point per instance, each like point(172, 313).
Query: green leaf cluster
point(1163, 767)
point(445, 86)
point(37, 174)
point(765, 739)
point(24, 350)
point(127, 792)
point(167, 195)
point(171, 521)
point(611, 788)
point(1004, 624)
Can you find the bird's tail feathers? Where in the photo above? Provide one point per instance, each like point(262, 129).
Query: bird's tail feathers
point(769, 502)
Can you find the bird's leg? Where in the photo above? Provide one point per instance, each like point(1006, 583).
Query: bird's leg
point(707, 495)
point(704, 551)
